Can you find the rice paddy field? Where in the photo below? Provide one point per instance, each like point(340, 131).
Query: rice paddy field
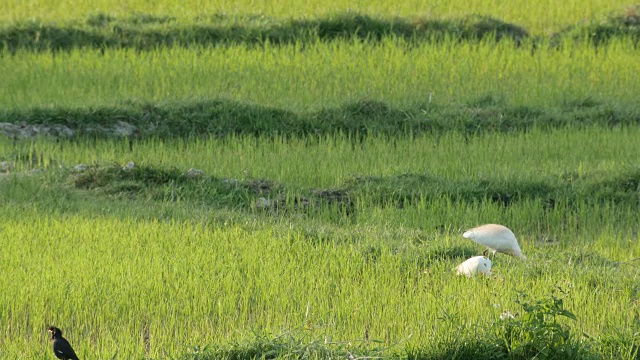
point(284, 180)
point(324, 75)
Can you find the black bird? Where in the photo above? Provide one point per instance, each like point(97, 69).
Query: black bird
point(61, 347)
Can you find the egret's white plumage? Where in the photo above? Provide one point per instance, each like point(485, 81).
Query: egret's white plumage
point(496, 237)
point(475, 265)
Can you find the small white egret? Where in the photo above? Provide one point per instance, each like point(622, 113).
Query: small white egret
point(497, 238)
point(475, 265)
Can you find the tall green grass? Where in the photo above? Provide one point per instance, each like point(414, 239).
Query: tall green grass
point(327, 75)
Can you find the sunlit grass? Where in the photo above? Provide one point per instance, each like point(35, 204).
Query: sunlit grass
point(110, 283)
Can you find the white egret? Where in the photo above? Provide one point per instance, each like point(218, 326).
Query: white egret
point(475, 265)
point(497, 238)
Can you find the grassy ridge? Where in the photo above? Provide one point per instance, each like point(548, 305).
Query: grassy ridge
point(567, 192)
point(540, 18)
point(223, 118)
point(145, 32)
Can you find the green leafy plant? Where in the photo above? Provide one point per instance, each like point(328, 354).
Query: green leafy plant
point(539, 331)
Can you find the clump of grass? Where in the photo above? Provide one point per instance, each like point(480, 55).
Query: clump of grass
point(617, 24)
point(170, 185)
point(173, 185)
point(481, 26)
point(101, 176)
